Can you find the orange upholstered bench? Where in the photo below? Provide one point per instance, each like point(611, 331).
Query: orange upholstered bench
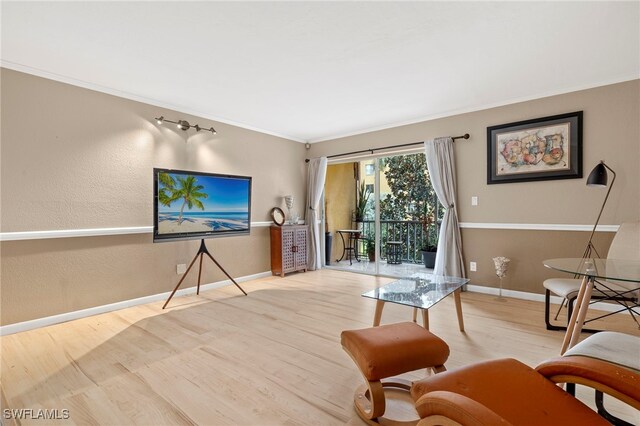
point(386, 351)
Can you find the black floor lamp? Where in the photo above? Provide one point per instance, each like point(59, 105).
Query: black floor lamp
point(598, 178)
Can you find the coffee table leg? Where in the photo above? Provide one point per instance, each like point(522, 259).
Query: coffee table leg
point(456, 298)
point(378, 315)
point(415, 314)
point(425, 318)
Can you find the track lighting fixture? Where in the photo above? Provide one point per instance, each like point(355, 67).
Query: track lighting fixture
point(184, 125)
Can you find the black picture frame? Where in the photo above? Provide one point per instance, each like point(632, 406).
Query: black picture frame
point(546, 148)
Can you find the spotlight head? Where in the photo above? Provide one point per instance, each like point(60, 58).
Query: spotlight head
point(183, 125)
point(598, 176)
point(212, 130)
point(197, 128)
point(160, 119)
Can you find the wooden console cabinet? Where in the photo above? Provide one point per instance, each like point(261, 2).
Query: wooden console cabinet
point(289, 248)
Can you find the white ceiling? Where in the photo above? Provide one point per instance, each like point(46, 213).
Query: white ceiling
point(312, 71)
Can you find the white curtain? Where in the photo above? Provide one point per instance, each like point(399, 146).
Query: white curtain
point(441, 165)
point(315, 186)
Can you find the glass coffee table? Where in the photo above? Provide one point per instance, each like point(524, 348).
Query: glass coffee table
point(420, 291)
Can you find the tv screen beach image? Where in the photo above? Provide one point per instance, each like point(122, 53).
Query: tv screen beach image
point(192, 203)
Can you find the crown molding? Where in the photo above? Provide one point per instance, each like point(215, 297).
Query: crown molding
point(133, 97)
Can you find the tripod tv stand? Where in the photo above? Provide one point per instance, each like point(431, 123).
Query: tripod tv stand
point(201, 252)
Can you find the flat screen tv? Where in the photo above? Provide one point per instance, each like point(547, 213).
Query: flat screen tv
point(194, 205)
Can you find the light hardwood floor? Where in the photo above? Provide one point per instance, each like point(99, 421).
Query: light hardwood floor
point(273, 357)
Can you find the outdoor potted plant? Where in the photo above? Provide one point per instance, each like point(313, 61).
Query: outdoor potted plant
point(361, 203)
point(371, 249)
point(430, 243)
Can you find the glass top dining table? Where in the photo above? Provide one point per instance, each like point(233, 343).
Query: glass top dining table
point(623, 271)
point(606, 269)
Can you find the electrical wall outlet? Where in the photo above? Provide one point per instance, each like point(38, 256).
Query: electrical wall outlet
point(474, 201)
point(181, 268)
point(473, 267)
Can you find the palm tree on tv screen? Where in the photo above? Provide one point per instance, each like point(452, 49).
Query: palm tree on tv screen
point(167, 189)
point(185, 189)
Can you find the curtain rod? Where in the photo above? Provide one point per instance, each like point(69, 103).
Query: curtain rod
point(372, 150)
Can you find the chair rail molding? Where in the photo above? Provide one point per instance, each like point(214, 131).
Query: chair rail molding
point(96, 232)
point(538, 226)
point(92, 232)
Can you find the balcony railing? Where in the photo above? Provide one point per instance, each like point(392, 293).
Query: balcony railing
point(410, 233)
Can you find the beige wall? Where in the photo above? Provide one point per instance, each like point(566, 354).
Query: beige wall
point(73, 158)
point(527, 250)
point(611, 132)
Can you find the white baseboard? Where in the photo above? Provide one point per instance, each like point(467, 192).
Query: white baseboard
point(69, 316)
point(601, 306)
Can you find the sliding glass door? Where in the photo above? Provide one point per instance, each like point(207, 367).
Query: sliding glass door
point(350, 216)
point(380, 215)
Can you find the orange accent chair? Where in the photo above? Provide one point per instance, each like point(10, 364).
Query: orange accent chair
point(507, 392)
point(496, 392)
point(596, 362)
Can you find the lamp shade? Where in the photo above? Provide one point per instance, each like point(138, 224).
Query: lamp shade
point(598, 176)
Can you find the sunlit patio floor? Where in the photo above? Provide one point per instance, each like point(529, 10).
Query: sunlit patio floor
point(390, 270)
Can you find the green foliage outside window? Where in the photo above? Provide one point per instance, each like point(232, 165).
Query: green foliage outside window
point(412, 198)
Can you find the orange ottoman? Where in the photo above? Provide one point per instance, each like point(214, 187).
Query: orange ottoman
point(386, 351)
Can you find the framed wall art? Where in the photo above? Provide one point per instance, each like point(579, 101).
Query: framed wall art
point(540, 149)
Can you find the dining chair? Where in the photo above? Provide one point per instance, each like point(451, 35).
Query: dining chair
point(626, 246)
